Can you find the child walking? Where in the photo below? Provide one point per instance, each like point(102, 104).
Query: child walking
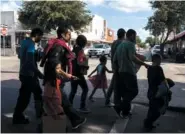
point(159, 94)
point(99, 80)
point(52, 96)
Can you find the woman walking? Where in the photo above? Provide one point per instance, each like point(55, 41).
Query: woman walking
point(80, 67)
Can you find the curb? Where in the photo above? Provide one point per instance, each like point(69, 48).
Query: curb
point(171, 108)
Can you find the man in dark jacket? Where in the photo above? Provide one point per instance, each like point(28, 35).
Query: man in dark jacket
point(121, 36)
point(58, 49)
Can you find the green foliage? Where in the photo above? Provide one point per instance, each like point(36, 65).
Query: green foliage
point(142, 45)
point(169, 16)
point(50, 14)
point(152, 41)
point(138, 40)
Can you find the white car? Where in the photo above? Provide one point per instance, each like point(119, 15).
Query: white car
point(99, 49)
point(156, 50)
point(86, 50)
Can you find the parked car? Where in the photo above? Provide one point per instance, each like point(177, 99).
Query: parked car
point(86, 50)
point(99, 49)
point(156, 50)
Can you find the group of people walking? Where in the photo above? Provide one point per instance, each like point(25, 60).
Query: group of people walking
point(62, 65)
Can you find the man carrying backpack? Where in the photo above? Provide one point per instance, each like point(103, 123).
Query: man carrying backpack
point(57, 49)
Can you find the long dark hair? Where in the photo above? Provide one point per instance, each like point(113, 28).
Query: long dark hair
point(81, 41)
point(50, 74)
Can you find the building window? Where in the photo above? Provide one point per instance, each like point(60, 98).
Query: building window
point(96, 31)
point(7, 41)
point(19, 36)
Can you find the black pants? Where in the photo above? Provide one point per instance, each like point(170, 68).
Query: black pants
point(71, 113)
point(74, 85)
point(113, 87)
point(153, 111)
point(128, 89)
point(117, 95)
point(29, 85)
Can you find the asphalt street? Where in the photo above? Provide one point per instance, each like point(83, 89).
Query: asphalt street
point(101, 119)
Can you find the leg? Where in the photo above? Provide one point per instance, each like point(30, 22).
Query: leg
point(22, 101)
point(153, 113)
point(129, 91)
point(118, 93)
point(74, 86)
point(110, 90)
point(72, 114)
point(93, 92)
point(104, 92)
point(37, 92)
point(85, 90)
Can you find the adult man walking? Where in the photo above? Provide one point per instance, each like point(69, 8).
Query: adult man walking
point(124, 61)
point(29, 74)
point(57, 49)
point(121, 37)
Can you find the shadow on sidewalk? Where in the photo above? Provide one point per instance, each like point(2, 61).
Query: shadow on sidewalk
point(100, 120)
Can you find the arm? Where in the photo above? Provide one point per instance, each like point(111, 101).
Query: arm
point(108, 70)
point(92, 72)
point(32, 62)
point(133, 56)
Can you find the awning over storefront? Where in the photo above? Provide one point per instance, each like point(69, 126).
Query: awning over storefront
point(178, 36)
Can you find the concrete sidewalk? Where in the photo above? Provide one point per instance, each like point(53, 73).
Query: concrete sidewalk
point(97, 121)
point(171, 122)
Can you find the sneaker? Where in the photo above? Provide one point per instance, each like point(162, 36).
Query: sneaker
point(21, 121)
point(76, 124)
point(109, 104)
point(84, 110)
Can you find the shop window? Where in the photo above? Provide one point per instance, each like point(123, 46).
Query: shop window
point(7, 41)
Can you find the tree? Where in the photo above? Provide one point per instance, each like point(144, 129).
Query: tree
point(138, 40)
point(152, 41)
point(51, 14)
point(140, 43)
point(169, 16)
